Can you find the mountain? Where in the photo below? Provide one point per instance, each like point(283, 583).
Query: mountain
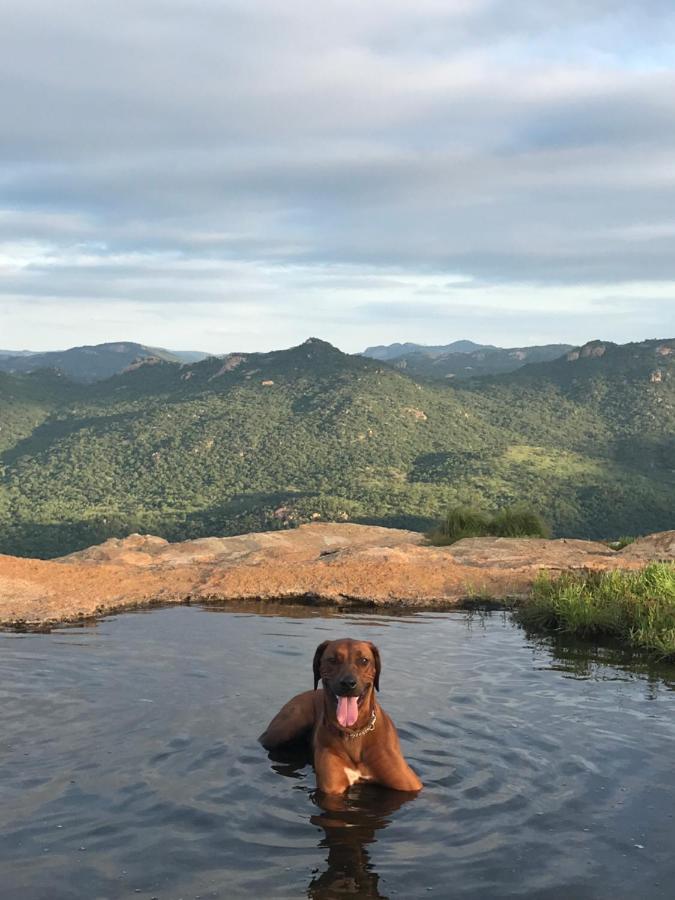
point(396, 351)
point(257, 440)
point(484, 361)
point(4, 353)
point(186, 356)
point(92, 363)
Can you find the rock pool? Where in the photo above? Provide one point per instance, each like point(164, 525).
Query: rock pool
point(129, 765)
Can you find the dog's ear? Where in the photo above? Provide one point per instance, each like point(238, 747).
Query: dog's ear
point(378, 664)
point(317, 662)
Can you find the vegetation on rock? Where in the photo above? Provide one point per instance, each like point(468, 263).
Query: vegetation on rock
point(634, 607)
point(464, 522)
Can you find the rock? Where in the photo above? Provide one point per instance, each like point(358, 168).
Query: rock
point(137, 549)
point(659, 547)
point(418, 414)
point(591, 350)
point(142, 361)
point(332, 563)
point(564, 553)
point(232, 360)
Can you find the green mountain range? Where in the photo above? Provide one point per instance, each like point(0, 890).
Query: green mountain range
point(463, 359)
point(389, 352)
point(261, 440)
point(92, 362)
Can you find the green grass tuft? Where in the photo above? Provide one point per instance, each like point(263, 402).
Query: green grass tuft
point(459, 523)
point(634, 607)
point(621, 542)
point(518, 521)
point(512, 521)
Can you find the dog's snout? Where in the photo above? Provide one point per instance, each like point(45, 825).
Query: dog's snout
point(348, 682)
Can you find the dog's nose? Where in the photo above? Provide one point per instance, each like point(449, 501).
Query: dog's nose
point(348, 683)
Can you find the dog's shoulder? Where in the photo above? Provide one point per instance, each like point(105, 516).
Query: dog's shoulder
point(295, 718)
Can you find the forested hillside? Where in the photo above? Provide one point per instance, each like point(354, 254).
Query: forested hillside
point(268, 440)
point(92, 362)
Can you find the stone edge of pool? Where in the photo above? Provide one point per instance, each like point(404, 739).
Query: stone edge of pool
point(341, 565)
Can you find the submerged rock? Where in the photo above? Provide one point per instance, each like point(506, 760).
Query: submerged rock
point(319, 563)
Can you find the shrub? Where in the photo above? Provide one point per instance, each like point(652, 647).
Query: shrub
point(621, 542)
point(462, 522)
point(515, 521)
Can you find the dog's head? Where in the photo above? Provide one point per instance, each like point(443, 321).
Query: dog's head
point(348, 670)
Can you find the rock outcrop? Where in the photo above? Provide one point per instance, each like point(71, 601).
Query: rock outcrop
point(658, 547)
point(337, 564)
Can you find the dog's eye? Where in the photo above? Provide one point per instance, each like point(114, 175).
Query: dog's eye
point(331, 660)
point(363, 661)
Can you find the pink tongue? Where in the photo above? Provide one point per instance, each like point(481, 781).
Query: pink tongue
point(347, 711)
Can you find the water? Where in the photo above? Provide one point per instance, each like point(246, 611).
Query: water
point(129, 765)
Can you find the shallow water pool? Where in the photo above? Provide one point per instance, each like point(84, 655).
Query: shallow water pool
point(129, 765)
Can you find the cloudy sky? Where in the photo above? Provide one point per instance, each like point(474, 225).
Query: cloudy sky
point(241, 174)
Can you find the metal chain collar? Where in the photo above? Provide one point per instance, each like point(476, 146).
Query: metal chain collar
point(354, 734)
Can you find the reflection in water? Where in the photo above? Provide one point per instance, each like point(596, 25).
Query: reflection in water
point(350, 823)
point(581, 659)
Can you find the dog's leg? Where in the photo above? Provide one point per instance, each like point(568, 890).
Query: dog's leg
point(331, 772)
point(386, 763)
point(388, 768)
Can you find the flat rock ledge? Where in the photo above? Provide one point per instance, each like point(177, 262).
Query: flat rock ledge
point(334, 564)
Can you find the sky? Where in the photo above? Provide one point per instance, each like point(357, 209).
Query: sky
point(226, 175)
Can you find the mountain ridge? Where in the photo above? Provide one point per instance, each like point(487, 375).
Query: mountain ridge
point(388, 352)
point(91, 362)
point(252, 441)
point(486, 360)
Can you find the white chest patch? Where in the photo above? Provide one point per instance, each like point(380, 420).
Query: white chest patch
point(353, 775)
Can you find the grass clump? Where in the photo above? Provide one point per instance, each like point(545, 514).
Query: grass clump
point(516, 521)
point(460, 522)
point(621, 542)
point(512, 521)
point(634, 607)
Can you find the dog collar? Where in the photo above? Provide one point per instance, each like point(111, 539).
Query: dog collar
point(370, 727)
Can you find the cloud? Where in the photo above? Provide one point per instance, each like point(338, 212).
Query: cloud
point(210, 154)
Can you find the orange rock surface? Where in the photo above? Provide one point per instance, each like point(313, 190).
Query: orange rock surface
point(319, 563)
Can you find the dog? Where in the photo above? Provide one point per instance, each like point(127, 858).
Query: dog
point(352, 738)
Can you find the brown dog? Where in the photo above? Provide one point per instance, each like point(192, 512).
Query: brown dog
point(353, 739)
